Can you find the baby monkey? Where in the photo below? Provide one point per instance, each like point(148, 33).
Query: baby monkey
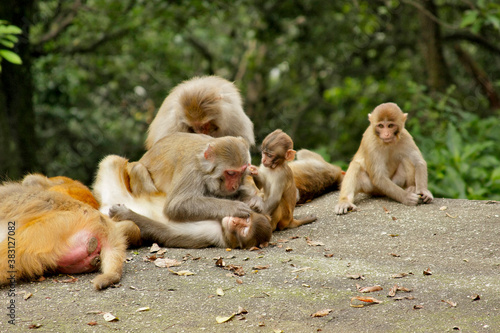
point(275, 178)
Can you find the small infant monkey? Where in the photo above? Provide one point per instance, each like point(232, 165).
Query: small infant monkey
point(275, 178)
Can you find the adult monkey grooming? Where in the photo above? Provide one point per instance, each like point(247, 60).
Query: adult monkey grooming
point(276, 179)
point(114, 188)
point(387, 162)
point(206, 105)
point(201, 176)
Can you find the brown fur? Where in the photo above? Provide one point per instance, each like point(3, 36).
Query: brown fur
point(191, 170)
point(314, 176)
point(276, 180)
point(146, 210)
point(387, 162)
point(208, 105)
point(47, 212)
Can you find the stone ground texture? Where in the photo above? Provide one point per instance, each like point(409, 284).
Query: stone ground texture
point(304, 271)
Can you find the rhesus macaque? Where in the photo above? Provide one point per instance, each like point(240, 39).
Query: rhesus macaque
point(201, 176)
point(113, 190)
point(52, 225)
point(207, 105)
point(275, 177)
point(314, 176)
point(387, 162)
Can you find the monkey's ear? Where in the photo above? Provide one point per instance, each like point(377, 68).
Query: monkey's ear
point(290, 155)
point(405, 115)
point(369, 117)
point(209, 153)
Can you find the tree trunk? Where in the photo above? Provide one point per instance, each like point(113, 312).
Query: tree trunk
point(438, 76)
point(18, 142)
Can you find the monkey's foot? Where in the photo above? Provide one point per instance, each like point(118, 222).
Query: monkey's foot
point(119, 212)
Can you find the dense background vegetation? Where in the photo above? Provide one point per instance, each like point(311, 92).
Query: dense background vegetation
point(94, 73)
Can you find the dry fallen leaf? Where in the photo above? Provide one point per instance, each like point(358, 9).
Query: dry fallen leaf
point(34, 326)
point(259, 267)
point(109, 317)
point(182, 273)
point(328, 255)
point(386, 210)
point(146, 308)
point(166, 262)
point(405, 297)
point(453, 217)
point(92, 323)
point(254, 248)
point(395, 255)
point(369, 300)
point(239, 281)
point(452, 304)
point(27, 295)
point(476, 297)
point(236, 269)
point(428, 271)
point(288, 249)
point(241, 311)
point(154, 248)
point(322, 313)
point(314, 243)
point(417, 307)
point(395, 289)
point(356, 277)
point(221, 320)
point(443, 208)
point(220, 263)
point(400, 275)
point(220, 292)
point(368, 289)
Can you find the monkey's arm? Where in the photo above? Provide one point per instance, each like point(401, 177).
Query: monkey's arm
point(351, 185)
point(421, 176)
point(197, 207)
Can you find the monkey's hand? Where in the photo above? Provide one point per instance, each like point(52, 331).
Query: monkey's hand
point(344, 207)
point(239, 209)
point(426, 196)
point(256, 203)
point(254, 171)
point(411, 199)
point(119, 212)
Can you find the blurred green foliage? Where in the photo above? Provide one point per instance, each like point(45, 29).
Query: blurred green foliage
point(313, 68)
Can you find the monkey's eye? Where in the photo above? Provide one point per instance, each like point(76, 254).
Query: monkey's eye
point(380, 125)
point(390, 125)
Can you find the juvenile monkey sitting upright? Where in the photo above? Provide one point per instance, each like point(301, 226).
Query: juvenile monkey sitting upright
point(275, 178)
point(387, 162)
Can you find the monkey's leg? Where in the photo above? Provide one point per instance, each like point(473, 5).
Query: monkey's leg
point(297, 223)
point(149, 229)
point(131, 231)
point(112, 257)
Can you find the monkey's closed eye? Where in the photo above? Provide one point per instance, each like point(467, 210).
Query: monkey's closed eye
point(231, 173)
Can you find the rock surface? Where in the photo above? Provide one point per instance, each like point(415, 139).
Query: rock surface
point(304, 271)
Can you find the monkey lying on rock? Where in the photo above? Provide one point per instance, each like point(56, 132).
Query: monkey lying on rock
point(53, 225)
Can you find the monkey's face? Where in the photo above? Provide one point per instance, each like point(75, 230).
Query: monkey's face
point(208, 128)
point(270, 159)
point(247, 232)
point(232, 179)
point(387, 131)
